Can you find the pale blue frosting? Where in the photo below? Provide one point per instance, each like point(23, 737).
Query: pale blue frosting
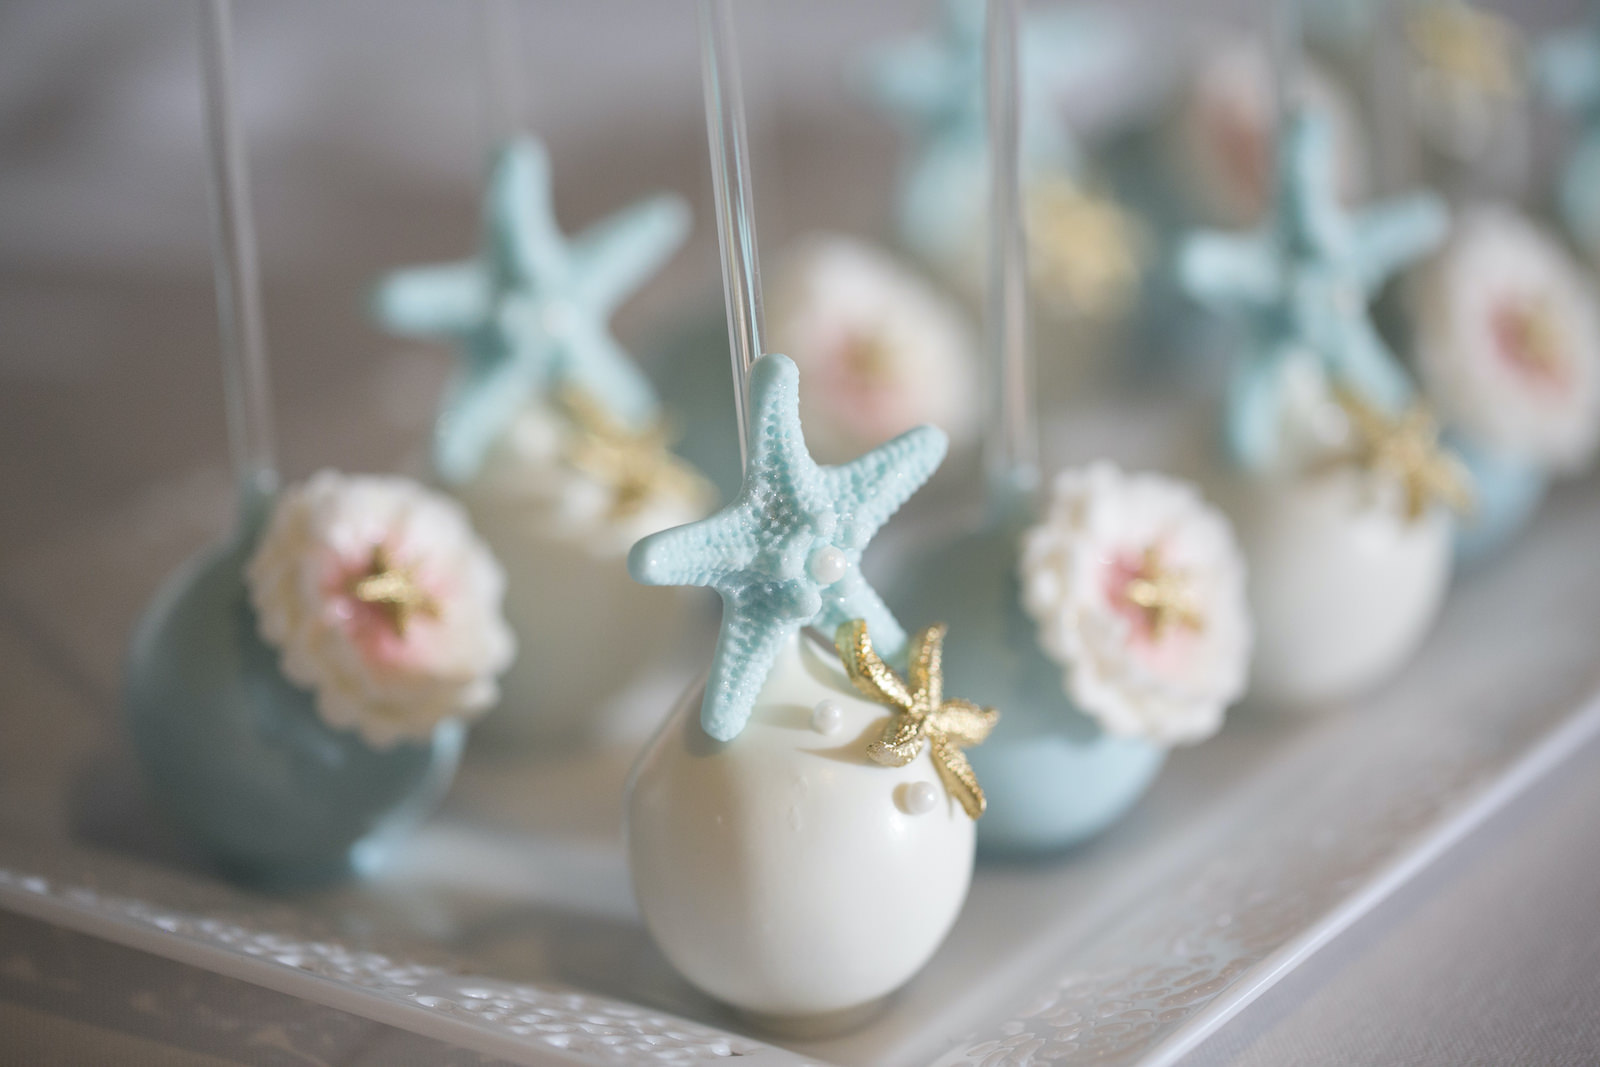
point(770, 552)
point(1568, 70)
point(531, 312)
point(1303, 283)
point(1506, 492)
point(238, 756)
point(1054, 777)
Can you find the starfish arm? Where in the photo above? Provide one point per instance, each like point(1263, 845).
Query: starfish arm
point(1310, 210)
point(613, 258)
point(592, 360)
point(779, 460)
point(925, 664)
point(1363, 363)
point(697, 553)
point(959, 777)
point(746, 649)
point(1254, 410)
point(871, 488)
point(900, 743)
point(1394, 234)
point(866, 669)
point(1230, 273)
point(963, 722)
point(525, 246)
point(448, 300)
point(852, 598)
point(482, 401)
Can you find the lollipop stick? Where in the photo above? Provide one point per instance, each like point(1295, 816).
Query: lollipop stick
point(730, 183)
point(1013, 445)
point(238, 282)
point(503, 86)
point(1285, 53)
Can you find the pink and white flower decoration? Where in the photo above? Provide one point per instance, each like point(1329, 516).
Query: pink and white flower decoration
point(1227, 129)
point(1138, 590)
point(880, 350)
point(1508, 340)
point(383, 602)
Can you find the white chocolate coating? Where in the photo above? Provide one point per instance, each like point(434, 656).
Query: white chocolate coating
point(784, 872)
point(1342, 588)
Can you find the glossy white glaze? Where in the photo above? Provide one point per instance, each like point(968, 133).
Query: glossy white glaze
point(1342, 587)
point(784, 872)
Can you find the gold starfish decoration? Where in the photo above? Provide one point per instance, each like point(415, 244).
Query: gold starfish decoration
point(636, 464)
point(1086, 252)
point(1406, 448)
point(1166, 597)
point(393, 589)
point(1469, 46)
point(921, 713)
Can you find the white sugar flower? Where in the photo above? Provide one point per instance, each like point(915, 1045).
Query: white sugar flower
point(1137, 587)
point(879, 349)
point(382, 601)
point(1227, 127)
point(1508, 340)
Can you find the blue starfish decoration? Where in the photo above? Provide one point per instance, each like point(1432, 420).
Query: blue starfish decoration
point(786, 553)
point(933, 86)
point(530, 313)
point(1303, 284)
point(1569, 74)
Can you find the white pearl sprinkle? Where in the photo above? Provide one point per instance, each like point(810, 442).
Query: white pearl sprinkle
point(827, 717)
point(828, 565)
point(921, 797)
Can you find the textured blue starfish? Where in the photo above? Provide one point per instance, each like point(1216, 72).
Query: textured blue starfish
point(933, 86)
point(1569, 75)
point(530, 313)
point(1303, 284)
point(786, 553)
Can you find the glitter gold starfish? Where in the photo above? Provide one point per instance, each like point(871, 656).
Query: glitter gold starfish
point(1166, 596)
point(1087, 253)
point(1406, 448)
point(635, 464)
point(394, 590)
point(921, 713)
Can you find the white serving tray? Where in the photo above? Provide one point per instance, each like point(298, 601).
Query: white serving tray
point(507, 926)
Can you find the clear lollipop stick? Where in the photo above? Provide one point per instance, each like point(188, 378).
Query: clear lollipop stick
point(1013, 444)
point(502, 95)
point(1285, 53)
point(238, 281)
point(730, 183)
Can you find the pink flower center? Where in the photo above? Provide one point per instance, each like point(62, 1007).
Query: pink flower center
point(1528, 339)
point(385, 605)
point(1159, 603)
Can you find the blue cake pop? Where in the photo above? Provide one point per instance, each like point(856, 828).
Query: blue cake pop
point(1568, 70)
point(933, 87)
point(786, 553)
point(530, 313)
point(1303, 284)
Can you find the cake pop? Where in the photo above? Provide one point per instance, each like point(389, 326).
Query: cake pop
point(551, 435)
point(289, 724)
point(799, 779)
